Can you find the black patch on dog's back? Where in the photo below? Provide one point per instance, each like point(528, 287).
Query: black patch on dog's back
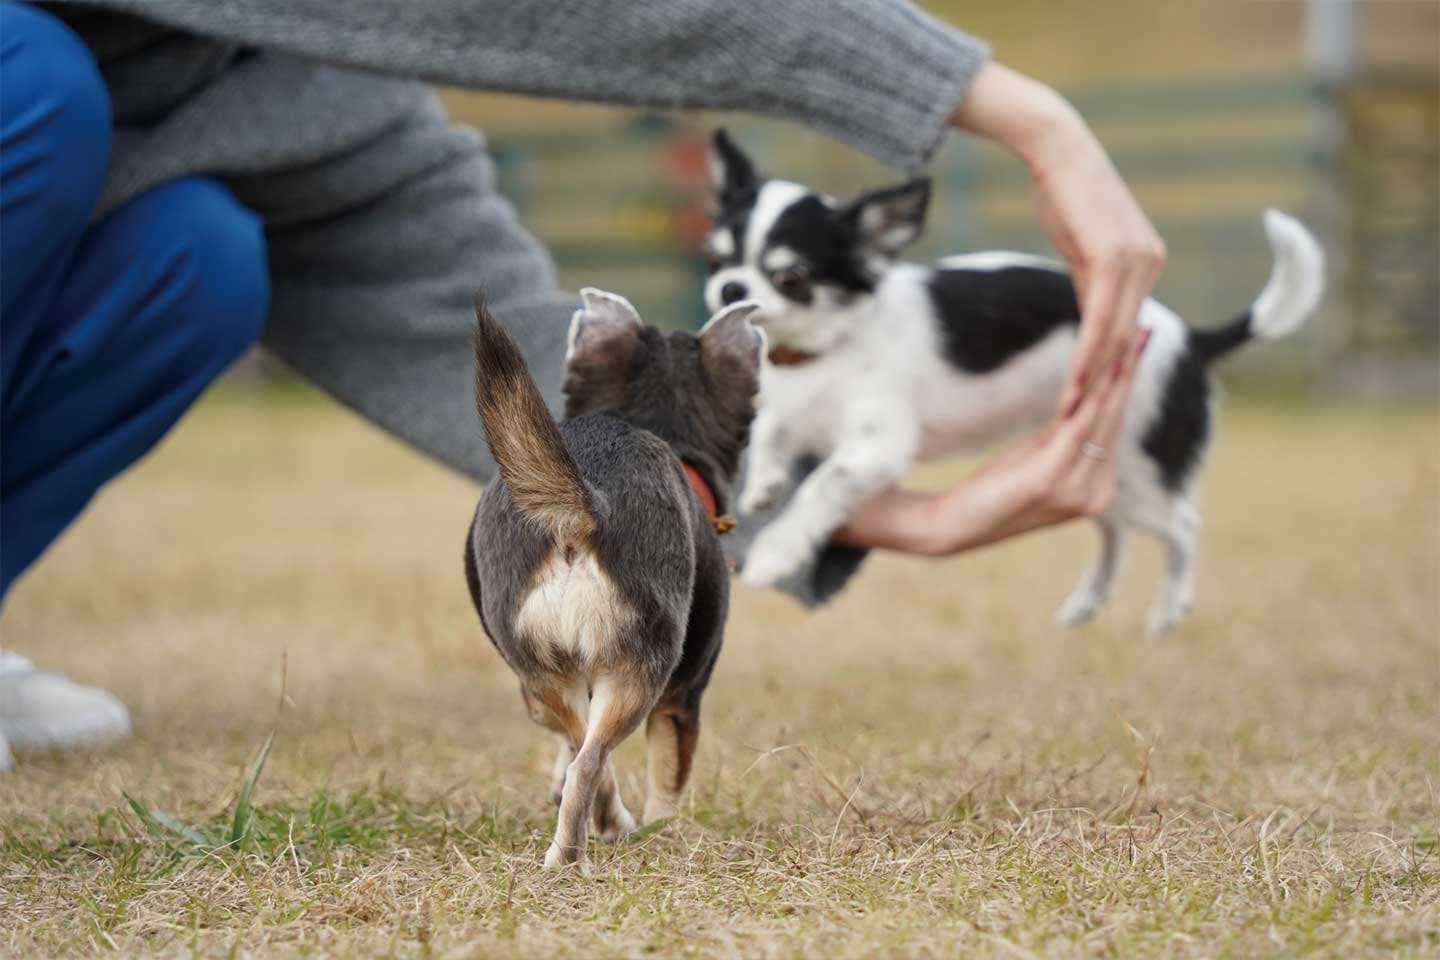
point(1179, 434)
point(825, 244)
point(989, 316)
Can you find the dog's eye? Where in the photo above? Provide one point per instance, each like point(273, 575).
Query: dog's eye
point(793, 280)
point(713, 263)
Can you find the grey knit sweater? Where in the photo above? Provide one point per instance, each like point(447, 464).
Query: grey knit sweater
point(382, 217)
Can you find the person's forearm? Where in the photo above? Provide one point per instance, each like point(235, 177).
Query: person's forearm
point(881, 75)
point(895, 520)
point(1017, 112)
point(1087, 211)
point(925, 524)
point(1044, 479)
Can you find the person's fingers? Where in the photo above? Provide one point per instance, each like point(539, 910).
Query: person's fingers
point(1117, 397)
point(1071, 432)
point(1109, 419)
point(1131, 286)
point(1097, 321)
point(1126, 324)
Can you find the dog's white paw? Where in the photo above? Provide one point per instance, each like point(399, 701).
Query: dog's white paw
point(1165, 616)
point(557, 857)
point(761, 492)
point(1080, 607)
point(657, 808)
point(772, 559)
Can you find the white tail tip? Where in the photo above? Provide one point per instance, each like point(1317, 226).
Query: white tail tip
point(1296, 282)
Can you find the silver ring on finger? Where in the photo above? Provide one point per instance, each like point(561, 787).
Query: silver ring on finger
point(1093, 450)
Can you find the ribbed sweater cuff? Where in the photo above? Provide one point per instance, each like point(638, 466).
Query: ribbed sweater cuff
point(882, 77)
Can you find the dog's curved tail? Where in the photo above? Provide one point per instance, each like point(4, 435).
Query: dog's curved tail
point(541, 475)
point(1291, 294)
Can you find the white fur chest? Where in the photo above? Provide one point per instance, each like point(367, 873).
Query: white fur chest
point(815, 400)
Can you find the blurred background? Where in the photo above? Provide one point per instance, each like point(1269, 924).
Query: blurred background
point(1212, 111)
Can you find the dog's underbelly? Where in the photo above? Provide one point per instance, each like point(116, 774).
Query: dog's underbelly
point(961, 412)
point(573, 610)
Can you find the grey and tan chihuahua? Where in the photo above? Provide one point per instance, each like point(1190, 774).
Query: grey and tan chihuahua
point(594, 561)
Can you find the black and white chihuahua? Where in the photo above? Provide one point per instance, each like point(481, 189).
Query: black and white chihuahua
point(874, 364)
point(593, 561)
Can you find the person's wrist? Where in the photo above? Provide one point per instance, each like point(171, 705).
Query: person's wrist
point(1049, 129)
point(1062, 140)
point(949, 522)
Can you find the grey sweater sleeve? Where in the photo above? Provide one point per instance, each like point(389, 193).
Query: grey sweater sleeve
point(880, 75)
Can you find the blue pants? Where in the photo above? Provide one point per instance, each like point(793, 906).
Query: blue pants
point(109, 328)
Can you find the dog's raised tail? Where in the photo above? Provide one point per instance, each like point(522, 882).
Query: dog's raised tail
point(538, 470)
point(1292, 293)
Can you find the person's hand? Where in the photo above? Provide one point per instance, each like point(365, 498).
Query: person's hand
point(1066, 470)
point(1089, 214)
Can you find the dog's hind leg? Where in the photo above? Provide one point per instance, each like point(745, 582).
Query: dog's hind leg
point(670, 737)
point(612, 820)
point(1096, 584)
point(617, 705)
point(557, 704)
point(563, 755)
point(1177, 591)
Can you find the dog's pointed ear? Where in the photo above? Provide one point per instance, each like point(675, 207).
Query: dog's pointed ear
point(890, 219)
point(600, 351)
point(603, 321)
point(731, 348)
point(731, 172)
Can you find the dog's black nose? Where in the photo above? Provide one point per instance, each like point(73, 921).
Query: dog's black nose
point(732, 292)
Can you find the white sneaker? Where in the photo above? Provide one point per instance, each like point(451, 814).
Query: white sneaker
point(40, 710)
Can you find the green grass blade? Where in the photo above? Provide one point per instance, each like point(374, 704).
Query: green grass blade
point(160, 823)
point(244, 820)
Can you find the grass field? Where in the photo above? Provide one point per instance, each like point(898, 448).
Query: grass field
point(925, 768)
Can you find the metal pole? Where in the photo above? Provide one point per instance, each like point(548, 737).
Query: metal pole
point(1333, 58)
point(1331, 29)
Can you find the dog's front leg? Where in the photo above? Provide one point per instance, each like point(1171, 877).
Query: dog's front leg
point(769, 463)
point(874, 455)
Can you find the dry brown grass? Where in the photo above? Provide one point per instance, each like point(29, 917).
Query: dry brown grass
point(926, 768)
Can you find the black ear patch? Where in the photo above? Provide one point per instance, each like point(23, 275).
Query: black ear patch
point(826, 244)
point(890, 219)
point(732, 173)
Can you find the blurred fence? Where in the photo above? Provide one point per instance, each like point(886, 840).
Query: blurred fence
point(626, 208)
